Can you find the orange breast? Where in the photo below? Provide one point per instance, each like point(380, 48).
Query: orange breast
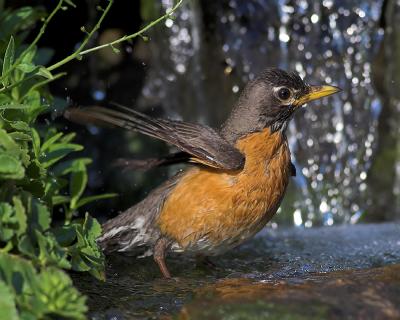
point(213, 210)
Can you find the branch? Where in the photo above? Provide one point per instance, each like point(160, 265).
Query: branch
point(43, 28)
point(29, 78)
point(77, 53)
point(36, 40)
point(80, 52)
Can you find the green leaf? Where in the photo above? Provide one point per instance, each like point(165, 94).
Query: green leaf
point(69, 166)
point(13, 106)
point(34, 99)
point(68, 137)
point(92, 228)
point(39, 218)
point(12, 221)
point(78, 181)
point(57, 200)
point(49, 294)
point(7, 303)
point(38, 215)
point(35, 170)
point(20, 125)
point(10, 167)
point(34, 186)
point(20, 215)
point(56, 296)
point(70, 3)
point(58, 151)
point(35, 142)
point(44, 73)
point(86, 255)
point(50, 252)
point(14, 151)
point(89, 199)
point(26, 67)
point(8, 61)
point(51, 141)
point(25, 12)
point(7, 142)
point(65, 235)
point(20, 136)
point(8, 222)
point(28, 55)
point(15, 272)
point(25, 246)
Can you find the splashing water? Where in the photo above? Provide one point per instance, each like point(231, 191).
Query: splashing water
point(209, 51)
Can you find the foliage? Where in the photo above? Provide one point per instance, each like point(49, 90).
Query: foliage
point(41, 186)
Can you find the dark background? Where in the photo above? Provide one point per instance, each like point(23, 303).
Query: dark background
point(221, 46)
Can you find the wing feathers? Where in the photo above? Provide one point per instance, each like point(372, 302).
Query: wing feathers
point(204, 144)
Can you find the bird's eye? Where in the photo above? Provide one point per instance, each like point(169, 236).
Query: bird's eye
point(284, 94)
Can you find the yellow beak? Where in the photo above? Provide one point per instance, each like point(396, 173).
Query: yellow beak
point(316, 92)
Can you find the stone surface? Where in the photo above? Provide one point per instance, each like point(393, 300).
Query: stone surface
point(321, 273)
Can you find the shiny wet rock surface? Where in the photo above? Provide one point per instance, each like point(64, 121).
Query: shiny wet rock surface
point(350, 272)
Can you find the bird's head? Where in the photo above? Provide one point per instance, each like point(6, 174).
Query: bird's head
point(271, 100)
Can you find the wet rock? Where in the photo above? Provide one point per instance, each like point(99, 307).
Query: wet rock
point(350, 272)
point(353, 294)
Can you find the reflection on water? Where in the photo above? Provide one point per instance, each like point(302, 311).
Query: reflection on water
point(361, 294)
point(284, 267)
point(203, 58)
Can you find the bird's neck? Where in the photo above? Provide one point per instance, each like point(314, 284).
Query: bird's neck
point(279, 126)
point(246, 119)
point(259, 146)
point(241, 122)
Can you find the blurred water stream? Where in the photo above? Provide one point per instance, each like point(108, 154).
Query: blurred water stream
point(201, 60)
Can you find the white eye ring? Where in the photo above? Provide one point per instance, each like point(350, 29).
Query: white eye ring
point(283, 93)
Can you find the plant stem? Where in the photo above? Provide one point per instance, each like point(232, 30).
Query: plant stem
point(85, 41)
point(29, 78)
point(81, 52)
point(42, 83)
point(36, 40)
point(42, 29)
point(134, 35)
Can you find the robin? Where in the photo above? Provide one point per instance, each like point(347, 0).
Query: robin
point(235, 185)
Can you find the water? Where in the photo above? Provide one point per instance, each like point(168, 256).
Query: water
point(204, 56)
point(337, 268)
point(345, 148)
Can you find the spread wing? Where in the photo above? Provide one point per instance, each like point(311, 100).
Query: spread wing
point(202, 143)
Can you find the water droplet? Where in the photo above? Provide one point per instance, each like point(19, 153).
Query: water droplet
point(314, 18)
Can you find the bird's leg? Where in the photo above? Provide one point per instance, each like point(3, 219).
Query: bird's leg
point(159, 256)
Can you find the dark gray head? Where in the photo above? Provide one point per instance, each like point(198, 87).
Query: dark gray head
point(270, 101)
